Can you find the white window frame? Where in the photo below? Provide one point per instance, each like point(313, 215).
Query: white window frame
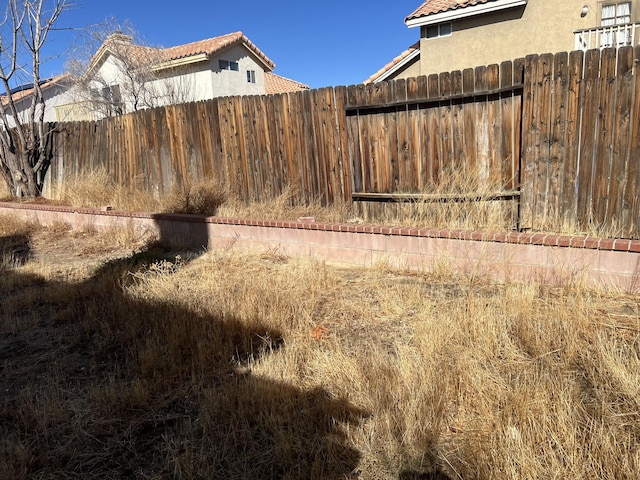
point(618, 16)
point(228, 65)
point(447, 27)
point(613, 35)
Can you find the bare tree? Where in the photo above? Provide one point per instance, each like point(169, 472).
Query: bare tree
point(136, 81)
point(24, 157)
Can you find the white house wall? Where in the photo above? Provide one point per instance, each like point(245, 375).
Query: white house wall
point(191, 82)
point(228, 82)
point(188, 83)
point(181, 84)
point(54, 96)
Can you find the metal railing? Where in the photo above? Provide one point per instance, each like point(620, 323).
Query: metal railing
point(603, 37)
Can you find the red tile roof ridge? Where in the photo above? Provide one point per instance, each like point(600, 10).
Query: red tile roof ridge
point(206, 46)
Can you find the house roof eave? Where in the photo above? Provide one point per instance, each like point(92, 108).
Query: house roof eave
point(405, 58)
point(461, 12)
point(406, 61)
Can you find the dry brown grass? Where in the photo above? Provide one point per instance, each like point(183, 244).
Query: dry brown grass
point(156, 365)
point(473, 210)
point(205, 196)
point(462, 200)
point(96, 189)
point(4, 190)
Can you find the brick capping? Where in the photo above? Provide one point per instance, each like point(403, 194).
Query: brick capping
point(305, 223)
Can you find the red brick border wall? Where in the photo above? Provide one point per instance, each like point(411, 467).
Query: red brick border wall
point(611, 264)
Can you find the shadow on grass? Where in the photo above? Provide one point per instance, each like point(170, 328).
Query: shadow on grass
point(99, 384)
point(15, 249)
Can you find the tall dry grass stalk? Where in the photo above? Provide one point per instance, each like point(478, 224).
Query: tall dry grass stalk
point(97, 188)
point(262, 366)
point(462, 199)
point(4, 190)
point(285, 207)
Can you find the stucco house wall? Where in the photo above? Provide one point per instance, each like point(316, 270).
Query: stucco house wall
point(230, 82)
point(507, 30)
point(541, 26)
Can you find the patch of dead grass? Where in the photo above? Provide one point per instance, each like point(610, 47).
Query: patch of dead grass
point(160, 365)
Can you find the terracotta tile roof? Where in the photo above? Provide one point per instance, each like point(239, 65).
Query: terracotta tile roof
point(120, 44)
point(213, 45)
point(51, 82)
point(430, 7)
point(276, 84)
point(394, 62)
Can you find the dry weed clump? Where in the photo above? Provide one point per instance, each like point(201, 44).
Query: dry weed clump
point(15, 240)
point(200, 197)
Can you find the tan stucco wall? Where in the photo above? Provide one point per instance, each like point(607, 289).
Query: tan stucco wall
point(543, 26)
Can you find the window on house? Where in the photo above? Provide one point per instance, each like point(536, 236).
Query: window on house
point(116, 99)
point(109, 99)
point(251, 76)
point(435, 31)
point(614, 16)
point(227, 65)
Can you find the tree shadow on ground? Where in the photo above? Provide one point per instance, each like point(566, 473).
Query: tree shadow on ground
point(98, 384)
point(415, 475)
point(15, 249)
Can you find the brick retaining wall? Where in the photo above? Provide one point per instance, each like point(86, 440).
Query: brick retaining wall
point(610, 264)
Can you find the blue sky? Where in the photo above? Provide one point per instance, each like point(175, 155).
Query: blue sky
point(322, 43)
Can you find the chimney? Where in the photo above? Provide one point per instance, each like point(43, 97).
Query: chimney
point(119, 37)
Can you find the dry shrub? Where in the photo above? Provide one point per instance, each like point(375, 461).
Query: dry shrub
point(202, 197)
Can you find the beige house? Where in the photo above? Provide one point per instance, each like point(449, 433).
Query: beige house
point(458, 34)
point(123, 77)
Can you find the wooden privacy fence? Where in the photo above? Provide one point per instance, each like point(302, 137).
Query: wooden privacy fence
point(259, 144)
point(581, 141)
point(405, 136)
point(560, 130)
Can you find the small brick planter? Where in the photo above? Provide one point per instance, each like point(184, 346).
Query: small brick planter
point(604, 263)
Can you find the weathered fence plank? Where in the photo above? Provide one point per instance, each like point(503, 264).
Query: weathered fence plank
point(575, 98)
point(632, 190)
point(556, 166)
point(617, 211)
